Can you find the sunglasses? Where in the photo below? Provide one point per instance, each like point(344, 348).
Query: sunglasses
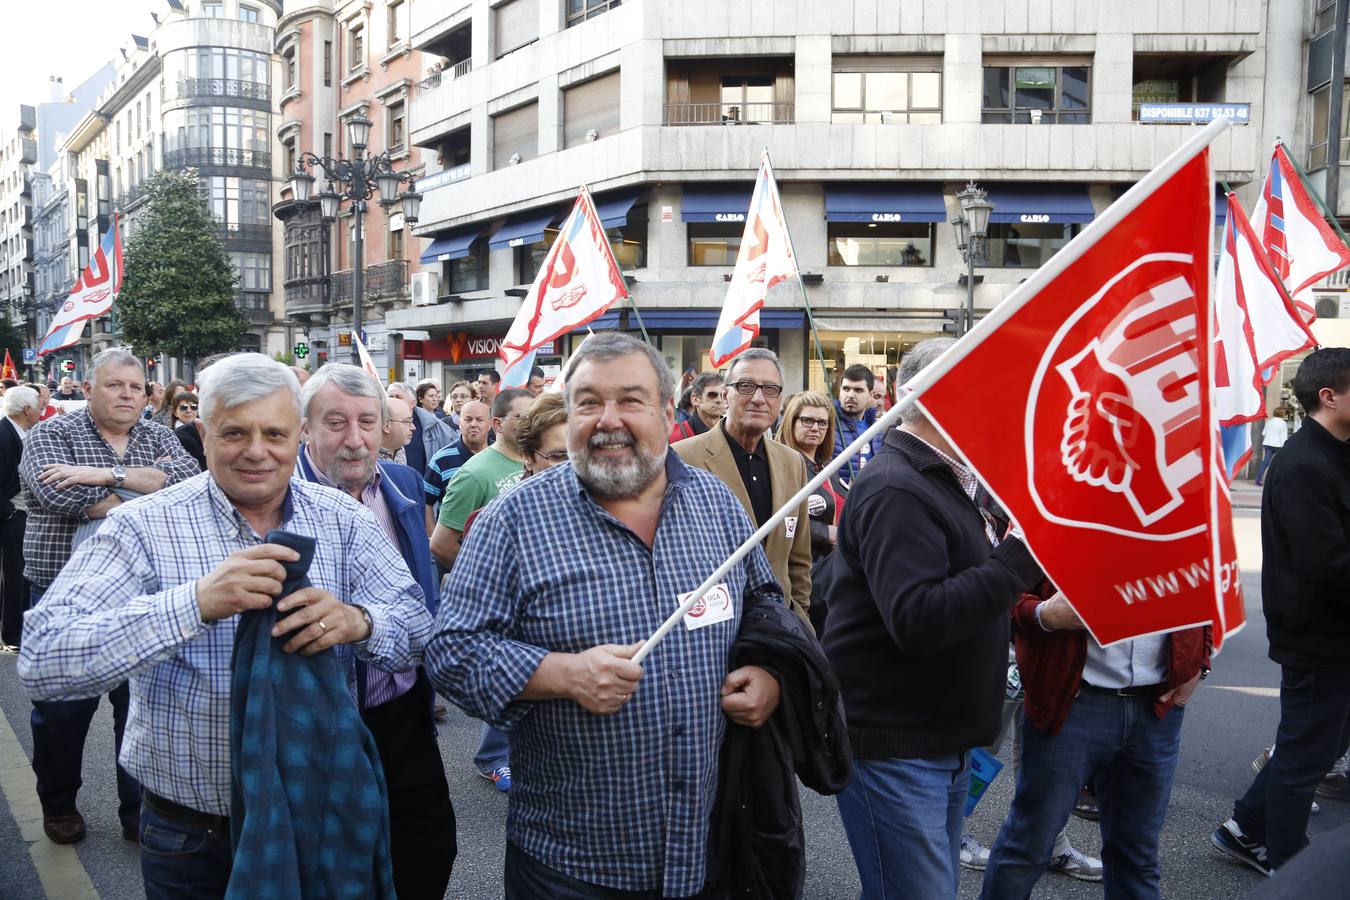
point(183, 406)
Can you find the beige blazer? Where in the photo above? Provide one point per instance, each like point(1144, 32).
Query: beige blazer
point(789, 556)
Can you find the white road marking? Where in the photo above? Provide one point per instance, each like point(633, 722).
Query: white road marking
point(1269, 692)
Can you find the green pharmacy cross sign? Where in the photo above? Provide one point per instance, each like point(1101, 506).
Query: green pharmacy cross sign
point(302, 350)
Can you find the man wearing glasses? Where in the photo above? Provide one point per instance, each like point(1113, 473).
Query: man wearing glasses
point(708, 394)
point(398, 429)
point(762, 473)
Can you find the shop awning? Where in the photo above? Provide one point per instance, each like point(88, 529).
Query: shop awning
point(452, 245)
point(716, 202)
point(1056, 204)
point(613, 208)
point(894, 201)
point(605, 322)
point(1220, 202)
point(524, 228)
point(706, 319)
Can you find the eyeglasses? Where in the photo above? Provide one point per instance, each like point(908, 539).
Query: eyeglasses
point(183, 406)
point(401, 421)
point(811, 424)
point(557, 456)
point(748, 388)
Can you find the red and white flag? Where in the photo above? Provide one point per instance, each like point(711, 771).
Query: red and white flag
point(1289, 223)
point(1100, 438)
point(364, 355)
point(579, 280)
point(765, 258)
point(93, 295)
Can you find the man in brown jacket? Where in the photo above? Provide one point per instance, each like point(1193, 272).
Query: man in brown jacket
point(762, 473)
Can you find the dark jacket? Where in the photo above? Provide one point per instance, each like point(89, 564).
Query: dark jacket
point(191, 439)
point(1051, 664)
point(11, 454)
point(846, 431)
point(1305, 545)
point(823, 511)
point(918, 626)
point(757, 844)
point(691, 426)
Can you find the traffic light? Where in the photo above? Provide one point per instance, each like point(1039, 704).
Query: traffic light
point(954, 321)
point(149, 362)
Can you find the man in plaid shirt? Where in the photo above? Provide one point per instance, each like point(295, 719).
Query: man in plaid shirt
point(73, 468)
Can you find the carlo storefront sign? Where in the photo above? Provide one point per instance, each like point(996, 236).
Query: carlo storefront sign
point(459, 348)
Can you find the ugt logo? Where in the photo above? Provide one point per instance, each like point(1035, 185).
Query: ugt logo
point(1116, 405)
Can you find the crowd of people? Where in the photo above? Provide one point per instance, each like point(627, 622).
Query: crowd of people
point(509, 550)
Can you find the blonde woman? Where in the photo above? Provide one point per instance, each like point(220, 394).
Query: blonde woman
point(808, 428)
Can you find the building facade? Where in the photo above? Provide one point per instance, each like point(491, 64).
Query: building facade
point(876, 114)
point(339, 59)
point(18, 164)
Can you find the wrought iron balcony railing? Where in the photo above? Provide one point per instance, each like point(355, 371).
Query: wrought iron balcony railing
point(223, 87)
point(225, 157)
point(386, 279)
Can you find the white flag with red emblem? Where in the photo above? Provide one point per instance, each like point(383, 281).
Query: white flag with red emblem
point(93, 295)
point(579, 280)
point(1102, 443)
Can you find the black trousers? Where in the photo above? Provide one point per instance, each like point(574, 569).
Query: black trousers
point(526, 878)
point(13, 586)
point(421, 817)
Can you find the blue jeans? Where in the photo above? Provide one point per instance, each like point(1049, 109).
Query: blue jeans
point(526, 878)
point(1267, 454)
point(494, 750)
point(183, 860)
point(903, 818)
point(1121, 747)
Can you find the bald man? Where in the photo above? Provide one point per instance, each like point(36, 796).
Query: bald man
point(398, 430)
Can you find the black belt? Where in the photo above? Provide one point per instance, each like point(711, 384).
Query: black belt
point(166, 807)
point(1137, 690)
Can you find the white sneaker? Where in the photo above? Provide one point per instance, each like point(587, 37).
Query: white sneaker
point(1077, 865)
point(974, 856)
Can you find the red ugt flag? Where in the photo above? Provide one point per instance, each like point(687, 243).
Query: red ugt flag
point(1087, 411)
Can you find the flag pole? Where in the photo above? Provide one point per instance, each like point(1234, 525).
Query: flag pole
point(627, 293)
point(1326, 211)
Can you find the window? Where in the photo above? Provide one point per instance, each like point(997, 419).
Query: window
point(394, 11)
point(469, 273)
point(530, 257)
point(880, 243)
point(117, 142)
point(288, 63)
point(1048, 93)
point(1324, 17)
point(393, 245)
point(515, 24)
point(592, 106)
point(396, 121)
point(1025, 245)
point(328, 144)
point(255, 271)
point(887, 91)
point(327, 63)
point(213, 10)
point(249, 14)
point(714, 243)
point(581, 10)
point(1319, 128)
point(356, 47)
point(288, 149)
point(515, 134)
point(747, 98)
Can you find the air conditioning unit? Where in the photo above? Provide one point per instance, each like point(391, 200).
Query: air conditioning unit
point(515, 159)
point(424, 288)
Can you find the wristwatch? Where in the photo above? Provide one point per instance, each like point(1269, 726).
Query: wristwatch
point(119, 476)
point(370, 625)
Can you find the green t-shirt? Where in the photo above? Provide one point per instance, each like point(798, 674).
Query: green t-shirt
point(476, 483)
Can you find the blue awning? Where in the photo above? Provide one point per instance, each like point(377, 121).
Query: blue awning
point(716, 202)
point(706, 319)
point(524, 228)
point(613, 209)
point(893, 201)
point(453, 245)
point(604, 322)
point(1058, 204)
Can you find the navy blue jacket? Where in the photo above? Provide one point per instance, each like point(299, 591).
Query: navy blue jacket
point(846, 431)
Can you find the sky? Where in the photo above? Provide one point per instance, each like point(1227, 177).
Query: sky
point(69, 38)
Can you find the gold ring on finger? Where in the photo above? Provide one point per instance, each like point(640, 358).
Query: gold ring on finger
point(323, 627)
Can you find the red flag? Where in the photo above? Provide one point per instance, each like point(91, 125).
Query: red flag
point(1098, 432)
point(8, 370)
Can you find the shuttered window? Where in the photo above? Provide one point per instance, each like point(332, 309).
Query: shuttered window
point(515, 132)
point(591, 105)
point(515, 23)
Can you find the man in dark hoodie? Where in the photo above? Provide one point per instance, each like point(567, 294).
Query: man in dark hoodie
point(1305, 545)
point(918, 635)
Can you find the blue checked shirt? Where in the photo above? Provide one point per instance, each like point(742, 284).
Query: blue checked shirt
point(621, 801)
point(126, 606)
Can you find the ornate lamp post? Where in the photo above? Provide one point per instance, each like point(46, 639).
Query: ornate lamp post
point(357, 179)
point(972, 227)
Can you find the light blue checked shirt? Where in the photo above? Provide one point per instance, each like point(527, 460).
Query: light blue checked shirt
point(621, 801)
point(126, 606)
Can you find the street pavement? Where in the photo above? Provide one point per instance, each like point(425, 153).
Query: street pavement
point(1231, 718)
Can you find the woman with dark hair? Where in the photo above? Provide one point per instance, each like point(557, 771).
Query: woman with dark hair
point(185, 409)
point(169, 405)
point(429, 398)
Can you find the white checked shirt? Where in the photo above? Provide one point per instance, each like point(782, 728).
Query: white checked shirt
point(126, 606)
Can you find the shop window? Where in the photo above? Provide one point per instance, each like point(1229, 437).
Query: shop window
point(1045, 93)
point(714, 243)
point(469, 273)
point(880, 243)
point(530, 257)
point(1024, 245)
point(629, 241)
point(886, 97)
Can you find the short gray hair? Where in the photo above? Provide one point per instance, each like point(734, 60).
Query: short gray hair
point(756, 353)
point(914, 362)
point(116, 357)
point(17, 399)
point(405, 392)
point(242, 378)
point(701, 382)
point(607, 345)
point(347, 378)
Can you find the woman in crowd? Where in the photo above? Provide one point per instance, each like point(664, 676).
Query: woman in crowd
point(429, 397)
point(541, 434)
point(185, 409)
point(169, 405)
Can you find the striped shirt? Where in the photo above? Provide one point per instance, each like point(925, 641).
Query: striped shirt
point(126, 607)
point(74, 440)
point(622, 801)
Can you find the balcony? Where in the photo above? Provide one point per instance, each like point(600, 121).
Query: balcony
point(131, 197)
point(307, 298)
point(192, 88)
point(255, 307)
point(386, 279)
point(217, 157)
point(445, 76)
point(233, 231)
point(442, 29)
point(768, 113)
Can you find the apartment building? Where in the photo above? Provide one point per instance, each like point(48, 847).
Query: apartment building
point(18, 163)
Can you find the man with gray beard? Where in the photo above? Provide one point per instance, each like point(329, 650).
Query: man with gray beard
point(558, 583)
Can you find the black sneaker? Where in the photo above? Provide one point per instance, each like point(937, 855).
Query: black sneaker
point(1335, 786)
point(1229, 839)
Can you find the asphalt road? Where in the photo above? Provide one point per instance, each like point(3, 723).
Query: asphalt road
point(1229, 721)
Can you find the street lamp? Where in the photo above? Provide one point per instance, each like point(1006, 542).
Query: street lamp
point(972, 227)
point(357, 179)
